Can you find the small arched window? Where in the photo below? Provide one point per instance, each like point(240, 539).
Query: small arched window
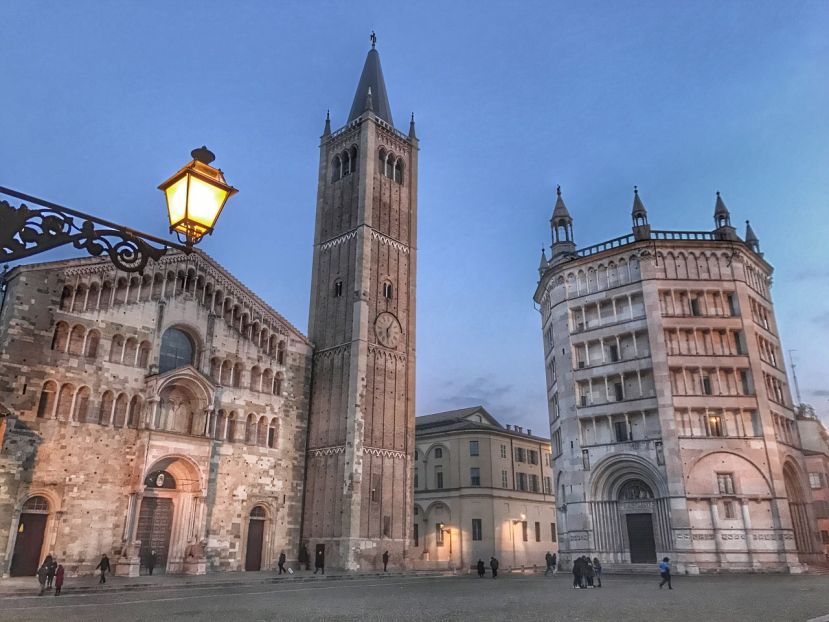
point(354, 159)
point(258, 513)
point(346, 164)
point(176, 350)
point(61, 337)
point(272, 434)
point(382, 162)
point(438, 452)
point(280, 353)
point(277, 383)
point(91, 347)
point(338, 288)
point(336, 169)
point(388, 291)
point(398, 171)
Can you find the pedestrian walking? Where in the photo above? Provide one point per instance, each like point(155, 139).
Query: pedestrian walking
point(150, 562)
point(597, 569)
point(41, 577)
point(665, 572)
point(493, 563)
point(481, 568)
point(577, 572)
point(385, 561)
point(281, 562)
point(589, 571)
point(103, 565)
point(319, 562)
point(59, 571)
point(50, 570)
point(555, 563)
point(549, 558)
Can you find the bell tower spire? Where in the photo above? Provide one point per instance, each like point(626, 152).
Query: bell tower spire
point(371, 80)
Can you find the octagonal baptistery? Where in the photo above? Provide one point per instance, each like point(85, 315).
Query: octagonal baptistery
point(159, 419)
point(672, 425)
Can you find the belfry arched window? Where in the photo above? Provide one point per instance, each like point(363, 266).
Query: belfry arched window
point(336, 169)
point(177, 350)
point(398, 171)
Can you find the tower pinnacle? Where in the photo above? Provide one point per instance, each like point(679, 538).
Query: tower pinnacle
point(371, 78)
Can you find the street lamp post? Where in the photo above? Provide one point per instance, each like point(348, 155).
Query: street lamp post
point(195, 196)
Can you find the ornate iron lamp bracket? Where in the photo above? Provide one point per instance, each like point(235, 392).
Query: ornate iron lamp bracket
point(27, 231)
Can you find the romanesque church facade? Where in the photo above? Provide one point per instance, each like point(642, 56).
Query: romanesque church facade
point(175, 412)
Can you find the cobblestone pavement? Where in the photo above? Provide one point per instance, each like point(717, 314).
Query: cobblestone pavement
point(707, 599)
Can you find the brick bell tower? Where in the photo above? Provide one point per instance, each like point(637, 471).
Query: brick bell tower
point(359, 493)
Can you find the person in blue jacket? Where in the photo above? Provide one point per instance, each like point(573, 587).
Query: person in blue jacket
point(665, 572)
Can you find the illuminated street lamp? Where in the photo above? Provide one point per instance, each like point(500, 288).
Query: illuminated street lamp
point(195, 196)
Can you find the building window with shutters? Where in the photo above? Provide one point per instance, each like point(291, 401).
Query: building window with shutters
point(522, 481)
point(477, 530)
point(474, 476)
point(538, 532)
point(552, 532)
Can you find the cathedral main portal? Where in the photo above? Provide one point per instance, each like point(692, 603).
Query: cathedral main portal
point(155, 522)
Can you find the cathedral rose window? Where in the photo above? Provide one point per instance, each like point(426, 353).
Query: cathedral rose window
point(176, 350)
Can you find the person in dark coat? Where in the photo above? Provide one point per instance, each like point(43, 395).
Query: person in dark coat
point(548, 558)
point(150, 562)
point(493, 563)
point(481, 568)
point(577, 572)
point(589, 571)
point(385, 561)
point(281, 562)
point(319, 562)
point(597, 568)
point(41, 577)
point(103, 566)
point(59, 571)
point(50, 571)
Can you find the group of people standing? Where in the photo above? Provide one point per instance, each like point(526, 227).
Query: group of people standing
point(587, 572)
point(493, 565)
point(49, 573)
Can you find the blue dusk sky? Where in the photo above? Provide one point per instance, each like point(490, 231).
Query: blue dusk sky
point(104, 100)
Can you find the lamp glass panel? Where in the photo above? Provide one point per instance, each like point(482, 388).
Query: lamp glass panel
point(205, 202)
point(177, 200)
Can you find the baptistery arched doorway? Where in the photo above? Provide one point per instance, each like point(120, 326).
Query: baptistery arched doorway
point(629, 511)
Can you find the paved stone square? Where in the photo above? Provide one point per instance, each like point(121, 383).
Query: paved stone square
point(708, 598)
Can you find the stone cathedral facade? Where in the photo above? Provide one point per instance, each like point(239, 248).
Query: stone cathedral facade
point(672, 424)
point(176, 412)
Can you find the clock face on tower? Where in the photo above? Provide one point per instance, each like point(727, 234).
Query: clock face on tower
point(387, 329)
